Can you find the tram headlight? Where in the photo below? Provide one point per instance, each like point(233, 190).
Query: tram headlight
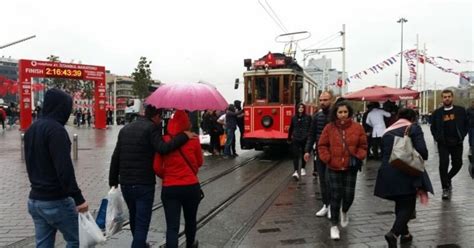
point(267, 121)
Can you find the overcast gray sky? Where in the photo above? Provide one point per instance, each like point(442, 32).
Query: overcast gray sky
point(209, 39)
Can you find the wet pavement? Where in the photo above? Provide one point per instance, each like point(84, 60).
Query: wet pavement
point(291, 220)
point(280, 212)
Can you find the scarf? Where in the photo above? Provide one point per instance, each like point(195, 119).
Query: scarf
point(398, 124)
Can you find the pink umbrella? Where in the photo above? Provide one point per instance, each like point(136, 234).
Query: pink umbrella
point(382, 93)
point(187, 96)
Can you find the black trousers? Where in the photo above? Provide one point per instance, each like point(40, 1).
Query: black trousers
point(298, 153)
point(323, 182)
point(215, 143)
point(174, 198)
point(376, 146)
point(456, 163)
point(404, 208)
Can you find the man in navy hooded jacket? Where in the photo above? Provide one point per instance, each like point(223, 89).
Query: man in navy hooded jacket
point(54, 198)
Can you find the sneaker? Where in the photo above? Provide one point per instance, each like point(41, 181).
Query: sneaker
point(323, 211)
point(303, 172)
point(391, 240)
point(406, 238)
point(344, 219)
point(315, 174)
point(445, 195)
point(335, 233)
point(296, 176)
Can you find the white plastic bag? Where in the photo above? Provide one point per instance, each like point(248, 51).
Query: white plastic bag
point(89, 233)
point(116, 212)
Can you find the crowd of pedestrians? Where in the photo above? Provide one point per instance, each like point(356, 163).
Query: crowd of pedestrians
point(337, 141)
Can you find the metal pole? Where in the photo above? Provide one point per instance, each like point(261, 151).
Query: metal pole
point(22, 148)
point(343, 58)
point(74, 147)
point(424, 79)
point(396, 80)
point(401, 20)
point(419, 101)
point(18, 41)
point(114, 121)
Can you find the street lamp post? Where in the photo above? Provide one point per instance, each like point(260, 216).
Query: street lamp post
point(401, 20)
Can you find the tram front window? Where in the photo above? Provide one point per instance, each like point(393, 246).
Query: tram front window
point(274, 89)
point(260, 89)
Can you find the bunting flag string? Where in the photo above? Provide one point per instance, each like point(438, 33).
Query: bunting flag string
point(376, 68)
point(411, 56)
point(431, 61)
point(459, 61)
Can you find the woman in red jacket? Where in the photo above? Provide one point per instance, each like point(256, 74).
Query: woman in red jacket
point(341, 138)
point(180, 184)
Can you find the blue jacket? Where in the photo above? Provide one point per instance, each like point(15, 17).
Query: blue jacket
point(392, 182)
point(48, 149)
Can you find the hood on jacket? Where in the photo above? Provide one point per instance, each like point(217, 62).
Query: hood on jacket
point(57, 105)
point(179, 123)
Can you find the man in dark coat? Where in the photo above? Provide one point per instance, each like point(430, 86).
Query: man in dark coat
point(298, 135)
point(132, 167)
point(470, 117)
point(449, 128)
point(240, 120)
point(319, 121)
point(231, 120)
point(54, 198)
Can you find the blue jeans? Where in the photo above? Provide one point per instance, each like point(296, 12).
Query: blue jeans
point(139, 199)
point(50, 216)
point(229, 141)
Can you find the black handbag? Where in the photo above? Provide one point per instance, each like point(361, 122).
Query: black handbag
point(355, 164)
point(195, 173)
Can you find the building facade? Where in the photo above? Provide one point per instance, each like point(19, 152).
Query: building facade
point(9, 70)
point(326, 76)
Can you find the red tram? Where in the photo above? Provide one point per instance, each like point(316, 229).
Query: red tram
point(274, 84)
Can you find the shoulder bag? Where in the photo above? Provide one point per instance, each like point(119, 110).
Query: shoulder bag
point(195, 172)
point(404, 156)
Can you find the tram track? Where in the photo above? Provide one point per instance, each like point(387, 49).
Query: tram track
point(224, 204)
point(212, 179)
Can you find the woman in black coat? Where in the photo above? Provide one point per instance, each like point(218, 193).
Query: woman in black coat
point(394, 184)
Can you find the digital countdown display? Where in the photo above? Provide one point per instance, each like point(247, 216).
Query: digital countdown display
point(58, 72)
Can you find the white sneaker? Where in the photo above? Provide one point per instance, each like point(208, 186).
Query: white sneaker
point(329, 211)
point(296, 176)
point(323, 211)
point(303, 172)
point(335, 233)
point(344, 219)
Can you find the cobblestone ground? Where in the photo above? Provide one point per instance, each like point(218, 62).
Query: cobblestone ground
point(92, 167)
point(291, 220)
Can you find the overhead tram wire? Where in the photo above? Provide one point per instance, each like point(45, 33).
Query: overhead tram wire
point(275, 14)
point(325, 40)
point(283, 28)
